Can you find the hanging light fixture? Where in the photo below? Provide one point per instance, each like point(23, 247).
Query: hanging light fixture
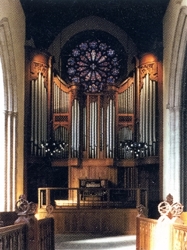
point(53, 148)
point(135, 148)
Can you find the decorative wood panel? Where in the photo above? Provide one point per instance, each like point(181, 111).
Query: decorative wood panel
point(116, 221)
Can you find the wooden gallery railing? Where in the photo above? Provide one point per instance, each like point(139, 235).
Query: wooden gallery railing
point(27, 233)
point(92, 197)
point(168, 232)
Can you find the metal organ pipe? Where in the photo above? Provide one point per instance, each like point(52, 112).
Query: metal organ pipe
point(143, 114)
point(38, 115)
point(148, 114)
point(113, 128)
point(84, 128)
point(39, 124)
point(147, 108)
point(131, 102)
point(93, 129)
point(107, 131)
point(90, 142)
point(75, 129)
point(32, 116)
point(72, 130)
point(54, 97)
point(44, 115)
point(154, 116)
point(78, 128)
point(35, 117)
point(110, 129)
point(61, 100)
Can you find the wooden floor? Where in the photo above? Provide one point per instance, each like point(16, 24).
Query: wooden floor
point(94, 242)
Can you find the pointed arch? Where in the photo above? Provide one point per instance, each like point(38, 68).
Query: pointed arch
point(10, 114)
point(174, 169)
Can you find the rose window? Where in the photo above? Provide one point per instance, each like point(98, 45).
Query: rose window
point(93, 64)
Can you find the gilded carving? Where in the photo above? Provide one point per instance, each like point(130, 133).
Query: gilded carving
point(38, 67)
point(151, 69)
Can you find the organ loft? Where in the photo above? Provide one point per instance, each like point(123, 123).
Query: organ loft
point(93, 121)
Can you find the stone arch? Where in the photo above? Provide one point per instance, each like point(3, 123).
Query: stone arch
point(91, 23)
point(10, 114)
point(173, 172)
point(9, 66)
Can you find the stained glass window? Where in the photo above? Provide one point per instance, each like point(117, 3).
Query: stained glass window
point(93, 64)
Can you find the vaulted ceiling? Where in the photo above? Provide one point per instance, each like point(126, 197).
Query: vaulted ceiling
point(140, 19)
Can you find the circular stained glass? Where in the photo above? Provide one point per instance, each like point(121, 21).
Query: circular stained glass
point(93, 64)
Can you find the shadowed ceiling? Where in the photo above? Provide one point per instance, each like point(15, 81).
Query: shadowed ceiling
point(140, 19)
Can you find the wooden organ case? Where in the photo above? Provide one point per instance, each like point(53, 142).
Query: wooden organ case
point(94, 127)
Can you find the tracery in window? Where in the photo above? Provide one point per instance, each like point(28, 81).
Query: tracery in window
point(93, 64)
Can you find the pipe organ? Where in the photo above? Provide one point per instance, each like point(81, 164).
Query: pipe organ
point(92, 127)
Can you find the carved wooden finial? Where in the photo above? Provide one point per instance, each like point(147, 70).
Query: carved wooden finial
point(170, 210)
point(142, 211)
point(169, 199)
point(49, 209)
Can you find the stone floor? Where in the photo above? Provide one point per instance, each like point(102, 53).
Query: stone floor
point(94, 242)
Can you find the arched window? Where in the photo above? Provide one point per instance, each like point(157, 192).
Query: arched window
point(94, 66)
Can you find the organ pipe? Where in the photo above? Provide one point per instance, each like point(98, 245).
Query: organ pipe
point(84, 128)
point(35, 117)
point(150, 117)
point(61, 100)
point(146, 108)
point(125, 101)
point(154, 117)
point(110, 128)
point(148, 114)
point(32, 116)
point(38, 115)
point(78, 128)
point(75, 129)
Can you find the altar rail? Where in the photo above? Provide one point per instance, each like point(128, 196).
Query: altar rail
point(92, 197)
point(152, 235)
point(22, 236)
